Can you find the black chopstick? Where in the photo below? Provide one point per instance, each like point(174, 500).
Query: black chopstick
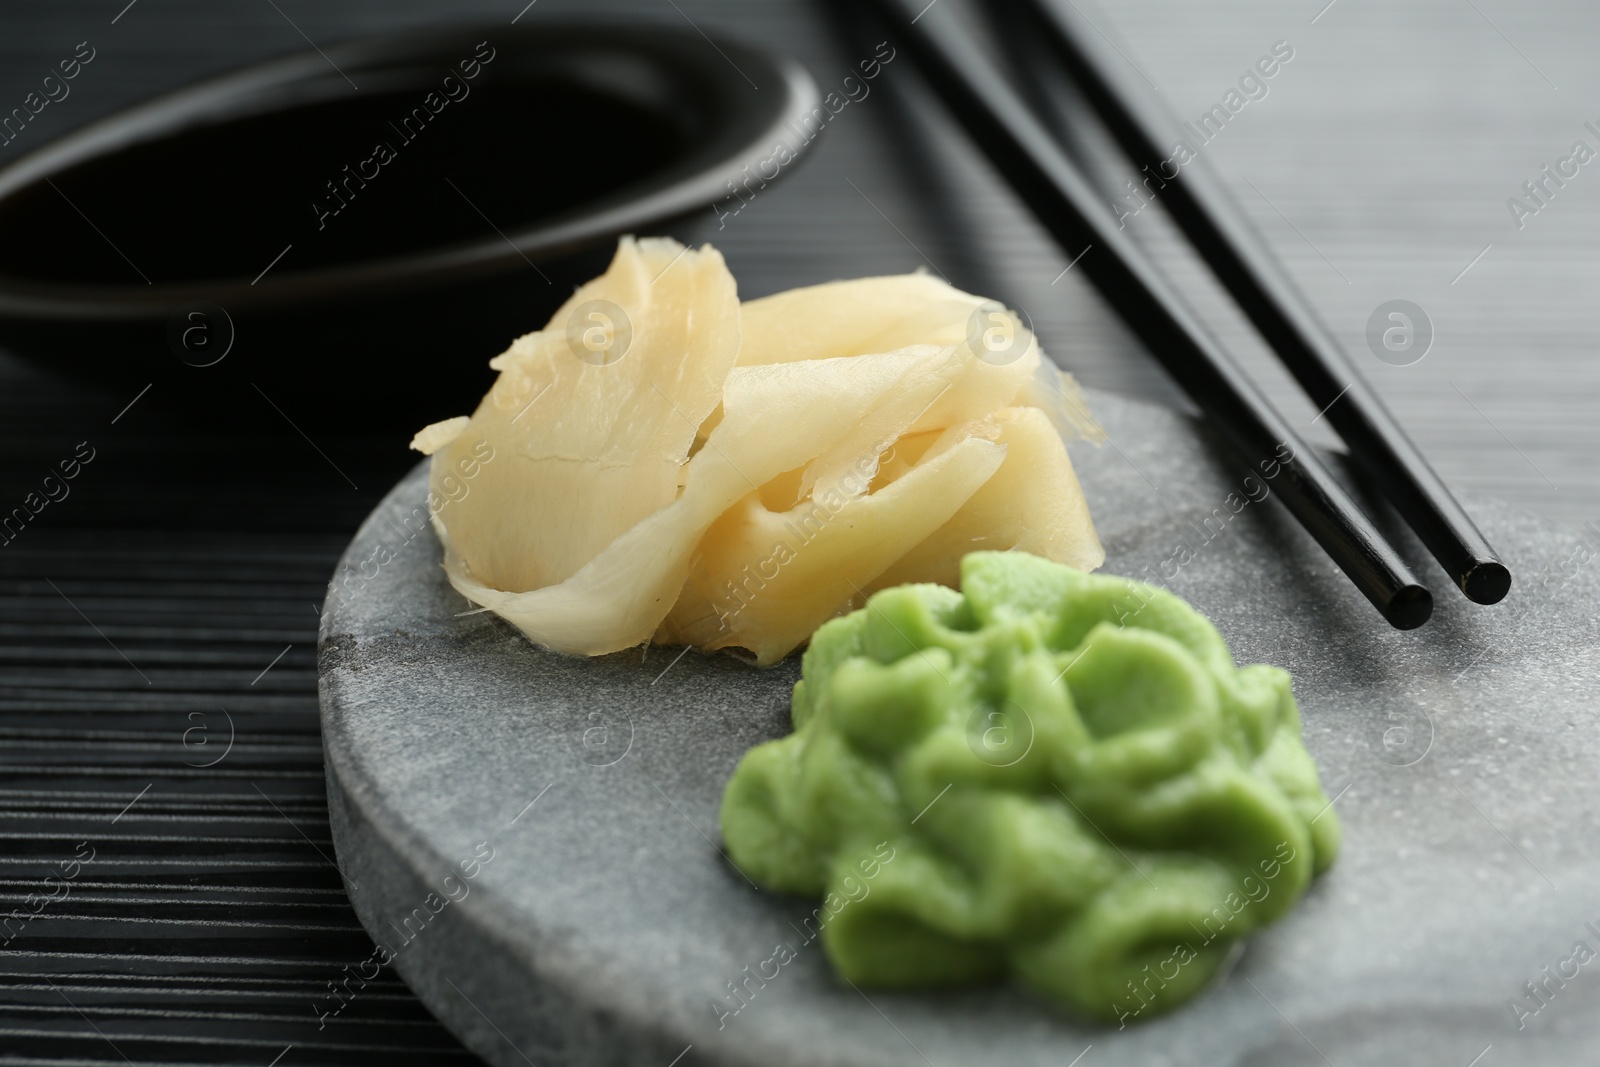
point(1246, 267)
point(1049, 183)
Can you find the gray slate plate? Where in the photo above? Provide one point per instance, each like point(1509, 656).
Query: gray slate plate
point(606, 924)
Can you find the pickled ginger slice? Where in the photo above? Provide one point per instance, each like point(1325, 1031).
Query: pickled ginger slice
point(592, 417)
point(1033, 503)
point(988, 356)
point(980, 355)
point(763, 580)
point(849, 318)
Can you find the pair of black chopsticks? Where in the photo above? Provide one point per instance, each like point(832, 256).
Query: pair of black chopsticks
point(1054, 187)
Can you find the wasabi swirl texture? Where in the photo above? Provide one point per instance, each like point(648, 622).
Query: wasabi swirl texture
point(1080, 788)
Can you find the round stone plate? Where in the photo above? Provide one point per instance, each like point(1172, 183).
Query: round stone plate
point(533, 838)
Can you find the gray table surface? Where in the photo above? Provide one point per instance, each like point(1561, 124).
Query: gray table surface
point(1378, 165)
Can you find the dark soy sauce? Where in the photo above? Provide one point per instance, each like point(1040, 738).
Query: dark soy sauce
point(221, 201)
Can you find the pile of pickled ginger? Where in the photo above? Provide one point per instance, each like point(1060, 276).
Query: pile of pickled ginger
point(673, 465)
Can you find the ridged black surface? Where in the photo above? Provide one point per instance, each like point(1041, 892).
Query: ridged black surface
point(158, 713)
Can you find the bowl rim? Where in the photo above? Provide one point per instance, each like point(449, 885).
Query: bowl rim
point(703, 177)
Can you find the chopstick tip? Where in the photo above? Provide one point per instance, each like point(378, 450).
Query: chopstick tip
point(1486, 582)
point(1411, 606)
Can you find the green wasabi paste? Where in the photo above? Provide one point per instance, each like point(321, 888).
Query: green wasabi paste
point(1075, 784)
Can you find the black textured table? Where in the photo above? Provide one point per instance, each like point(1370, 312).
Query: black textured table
point(158, 708)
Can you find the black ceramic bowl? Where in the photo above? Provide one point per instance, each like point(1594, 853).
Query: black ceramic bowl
point(334, 219)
